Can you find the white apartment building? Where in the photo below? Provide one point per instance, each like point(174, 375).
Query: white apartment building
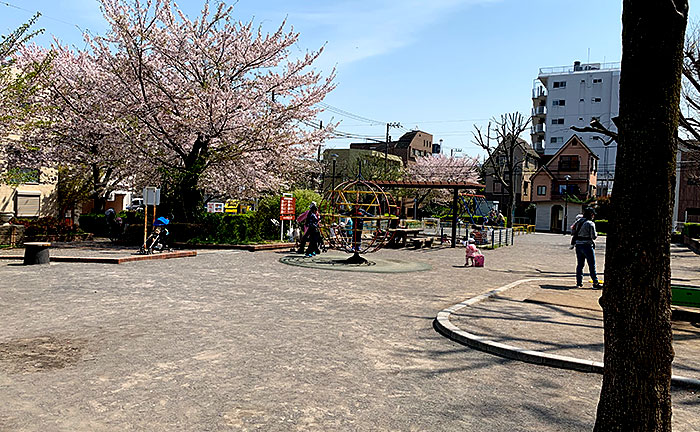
point(571, 96)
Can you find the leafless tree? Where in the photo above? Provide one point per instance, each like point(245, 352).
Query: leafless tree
point(505, 153)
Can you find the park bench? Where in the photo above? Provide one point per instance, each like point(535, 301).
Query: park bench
point(420, 242)
point(36, 253)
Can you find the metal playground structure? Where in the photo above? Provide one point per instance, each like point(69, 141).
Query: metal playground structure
point(358, 217)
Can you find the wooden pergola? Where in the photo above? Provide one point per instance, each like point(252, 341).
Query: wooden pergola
point(454, 186)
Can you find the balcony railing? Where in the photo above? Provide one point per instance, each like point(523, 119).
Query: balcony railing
point(538, 110)
point(569, 196)
point(584, 67)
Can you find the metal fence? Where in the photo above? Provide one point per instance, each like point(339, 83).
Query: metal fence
point(492, 237)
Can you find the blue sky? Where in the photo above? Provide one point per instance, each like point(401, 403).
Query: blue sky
point(437, 65)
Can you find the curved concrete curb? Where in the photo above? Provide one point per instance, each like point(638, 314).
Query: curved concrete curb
point(445, 327)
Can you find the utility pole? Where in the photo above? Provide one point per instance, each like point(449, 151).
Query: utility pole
point(386, 145)
point(320, 126)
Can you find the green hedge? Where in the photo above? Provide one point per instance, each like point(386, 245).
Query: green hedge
point(47, 228)
point(602, 226)
point(95, 223)
point(691, 230)
point(220, 228)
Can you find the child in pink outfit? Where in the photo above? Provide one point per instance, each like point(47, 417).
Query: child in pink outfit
point(472, 251)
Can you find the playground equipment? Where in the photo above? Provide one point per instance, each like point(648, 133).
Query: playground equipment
point(358, 217)
point(473, 205)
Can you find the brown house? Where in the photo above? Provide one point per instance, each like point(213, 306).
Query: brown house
point(411, 145)
point(525, 163)
point(570, 175)
point(687, 207)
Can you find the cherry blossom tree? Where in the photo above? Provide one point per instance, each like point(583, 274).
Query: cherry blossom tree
point(216, 104)
point(80, 128)
point(443, 168)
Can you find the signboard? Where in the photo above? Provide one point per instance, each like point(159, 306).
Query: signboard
point(287, 208)
point(151, 196)
point(231, 206)
point(215, 207)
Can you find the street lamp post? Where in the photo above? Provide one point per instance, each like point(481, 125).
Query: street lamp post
point(566, 203)
point(334, 156)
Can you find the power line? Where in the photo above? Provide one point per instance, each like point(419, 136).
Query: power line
point(44, 16)
point(342, 112)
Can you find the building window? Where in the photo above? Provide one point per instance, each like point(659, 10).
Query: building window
point(28, 203)
point(597, 80)
point(525, 187)
point(559, 84)
point(497, 187)
point(595, 100)
point(541, 190)
point(568, 163)
point(556, 140)
point(557, 121)
point(558, 102)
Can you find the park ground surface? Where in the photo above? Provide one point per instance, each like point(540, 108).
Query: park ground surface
point(233, 340)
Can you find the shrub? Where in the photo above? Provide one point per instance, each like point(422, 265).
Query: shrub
point(602, 226)
point(47, 228)
point(95, 223)
point(691, 230)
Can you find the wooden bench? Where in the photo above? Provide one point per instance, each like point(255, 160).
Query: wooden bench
point(36, 253)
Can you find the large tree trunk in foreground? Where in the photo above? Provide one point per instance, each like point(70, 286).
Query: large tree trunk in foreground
point(636, 298)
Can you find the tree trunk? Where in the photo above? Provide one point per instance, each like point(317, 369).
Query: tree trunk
point(635, 395)
point(98, 199)
point(186, 201)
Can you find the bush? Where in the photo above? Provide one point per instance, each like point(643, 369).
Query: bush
point(252, 227)
point(47, 229)
point(269, 209)
point(95, 223)
point(691, 230)
point(602, 226)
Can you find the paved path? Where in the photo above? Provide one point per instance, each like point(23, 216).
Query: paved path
point(239, 341)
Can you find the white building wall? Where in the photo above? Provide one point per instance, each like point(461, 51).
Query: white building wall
point(588, 92)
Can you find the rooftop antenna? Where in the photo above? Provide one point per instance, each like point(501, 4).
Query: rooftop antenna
point(589, 56)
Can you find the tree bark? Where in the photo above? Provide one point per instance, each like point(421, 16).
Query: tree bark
point(635, 395)
point(187, 198)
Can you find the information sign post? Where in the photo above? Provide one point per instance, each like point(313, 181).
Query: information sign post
point(151, 197)
point(287, 211)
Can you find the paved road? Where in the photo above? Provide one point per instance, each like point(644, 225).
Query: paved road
point(238, 341)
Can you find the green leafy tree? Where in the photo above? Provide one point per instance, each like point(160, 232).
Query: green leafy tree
point(18, 85)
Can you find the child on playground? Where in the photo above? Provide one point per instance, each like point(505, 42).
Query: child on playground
point(472, 252)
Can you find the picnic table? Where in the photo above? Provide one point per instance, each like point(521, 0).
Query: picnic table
point(401, 234)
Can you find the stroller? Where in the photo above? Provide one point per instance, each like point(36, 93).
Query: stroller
point(158, 241)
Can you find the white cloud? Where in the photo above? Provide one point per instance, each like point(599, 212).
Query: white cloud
point(359, 30)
